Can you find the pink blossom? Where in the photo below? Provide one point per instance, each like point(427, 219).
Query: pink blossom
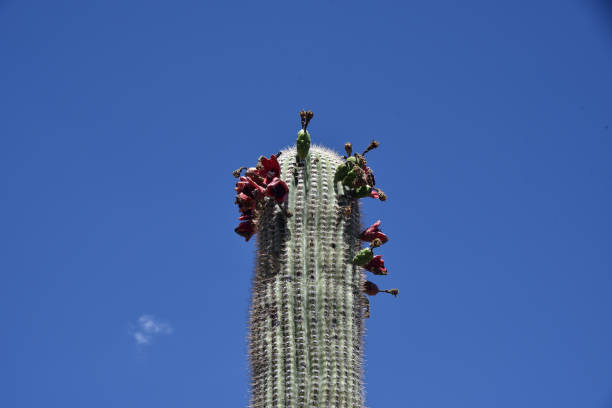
point(373, 232)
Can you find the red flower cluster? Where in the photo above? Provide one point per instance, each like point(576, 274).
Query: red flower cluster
point(376, 264)
point(358, 180)
point(252, 188)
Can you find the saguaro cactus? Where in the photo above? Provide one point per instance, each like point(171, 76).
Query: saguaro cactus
point(308, 303)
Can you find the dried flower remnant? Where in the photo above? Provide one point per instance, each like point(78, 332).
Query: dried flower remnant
point(375, 243)
point(370, 288)
point(348, 148)
point(373, 145)
point(236, 173)
point(305, 118)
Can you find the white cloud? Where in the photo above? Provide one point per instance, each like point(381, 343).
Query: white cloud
point(148, 327)
point(141, 338)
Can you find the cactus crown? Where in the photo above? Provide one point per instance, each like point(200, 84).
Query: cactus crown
point(308, 302)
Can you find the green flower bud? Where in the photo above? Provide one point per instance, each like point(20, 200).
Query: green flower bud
point(362, 191)
point(351, 160)
point(303, 144)
point(363, 257)
point(341, 172)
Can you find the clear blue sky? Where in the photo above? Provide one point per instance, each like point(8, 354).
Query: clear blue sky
point(123, 283)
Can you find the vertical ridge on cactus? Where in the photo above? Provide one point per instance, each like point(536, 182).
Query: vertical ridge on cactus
point(306, 318)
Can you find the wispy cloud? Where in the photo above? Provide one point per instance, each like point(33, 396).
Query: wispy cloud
point(147, 327)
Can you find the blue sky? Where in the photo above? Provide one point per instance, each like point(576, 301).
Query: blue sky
point(123, 283)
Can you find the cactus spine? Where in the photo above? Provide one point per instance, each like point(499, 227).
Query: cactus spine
point(308, 306)
point(306, 316)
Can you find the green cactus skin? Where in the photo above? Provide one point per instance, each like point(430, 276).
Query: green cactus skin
point(306, 318)
point(303, 144)
point(341, 172)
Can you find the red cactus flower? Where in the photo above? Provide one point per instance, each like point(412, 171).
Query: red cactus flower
point(269, 168)
point(374, 194)
point(249, 187)
point(376, 266)
point(241, 184)
point(260, 189)
point(245, 202)
point(253, 174)
point(372, 232)
point(246, 229)
point(370, 288)
point(247, 215)
point(278, 190)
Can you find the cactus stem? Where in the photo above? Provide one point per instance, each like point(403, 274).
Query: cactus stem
point(310, 288)
point(306, 317)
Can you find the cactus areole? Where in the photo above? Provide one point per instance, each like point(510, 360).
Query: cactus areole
point(309, 290)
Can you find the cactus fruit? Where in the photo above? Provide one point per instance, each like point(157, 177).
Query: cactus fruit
point(308, 303)
point(302, 143)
